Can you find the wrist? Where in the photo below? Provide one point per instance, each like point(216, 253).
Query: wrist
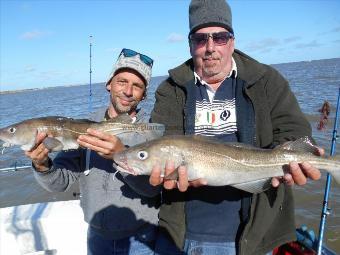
point(42, 166)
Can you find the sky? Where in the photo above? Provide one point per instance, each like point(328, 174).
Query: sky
point(45, 43)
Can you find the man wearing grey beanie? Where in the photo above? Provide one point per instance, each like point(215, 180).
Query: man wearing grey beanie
point(121, 210)
point(223, 93)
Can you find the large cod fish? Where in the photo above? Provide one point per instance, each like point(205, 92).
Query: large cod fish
point(241, 166)
point(65, 131)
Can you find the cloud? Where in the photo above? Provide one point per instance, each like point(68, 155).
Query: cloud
point(112, 50)
point(292, 39)
point(35, 34)
point(263, 45)
point(335, 30)
point(50, 73)
point(174, 37)
point(29, 69)
point(311, 44)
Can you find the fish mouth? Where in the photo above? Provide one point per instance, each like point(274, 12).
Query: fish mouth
point(122, 164)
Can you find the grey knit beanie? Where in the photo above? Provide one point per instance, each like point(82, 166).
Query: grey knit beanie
point(204, 13)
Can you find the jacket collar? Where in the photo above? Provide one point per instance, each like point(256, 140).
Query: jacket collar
point(248, 69)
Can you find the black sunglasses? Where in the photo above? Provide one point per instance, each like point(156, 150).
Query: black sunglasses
point(131, 53)
point(219, 38)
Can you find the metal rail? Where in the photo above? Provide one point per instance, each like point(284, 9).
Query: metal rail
point(14, 168)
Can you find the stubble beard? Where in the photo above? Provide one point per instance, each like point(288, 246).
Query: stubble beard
point(211, 72)
point(121, 109)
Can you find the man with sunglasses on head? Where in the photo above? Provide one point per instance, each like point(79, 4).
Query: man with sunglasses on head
point(223, 93)
point(121, 210)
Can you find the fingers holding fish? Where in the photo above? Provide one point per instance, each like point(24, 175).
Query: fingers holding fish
point(320, 151)
point(183, 182)
point(155, 176)
point(40, 138)
point(38, 154)
point(105, 144)
point(310, 171)
point(38, 151)
point(305, 170)
point(169, 183)
point(288, 179)
point(39, 157)
point(299, 173)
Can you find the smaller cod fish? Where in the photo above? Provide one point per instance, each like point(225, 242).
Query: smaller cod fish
point(242, 166)
point(65, 131)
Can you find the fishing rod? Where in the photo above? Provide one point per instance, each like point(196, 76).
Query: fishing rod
point(325, 208)
point(90, 95)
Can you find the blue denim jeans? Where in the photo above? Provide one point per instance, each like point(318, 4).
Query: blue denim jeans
point(142, 243)
point(209, 248)
point(165, 246)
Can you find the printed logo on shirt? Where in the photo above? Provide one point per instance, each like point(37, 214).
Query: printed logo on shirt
point(218, 117)
point(211, 117)
point(225, 115)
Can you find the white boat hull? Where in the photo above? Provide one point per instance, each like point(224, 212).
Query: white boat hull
point(43, 228)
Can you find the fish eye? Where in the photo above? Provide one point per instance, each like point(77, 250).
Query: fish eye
point(12, 130)
point(142, 155)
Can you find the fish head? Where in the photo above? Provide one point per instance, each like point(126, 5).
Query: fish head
point(140, 159)
point(21, 134)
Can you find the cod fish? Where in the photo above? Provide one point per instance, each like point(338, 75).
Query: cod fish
point(65, 131)
point(242, 166)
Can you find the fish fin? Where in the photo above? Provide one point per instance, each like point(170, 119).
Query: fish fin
point(53, 144)
point(335, 172)
point(257, 186)
point(303, 144)
point(172, 176)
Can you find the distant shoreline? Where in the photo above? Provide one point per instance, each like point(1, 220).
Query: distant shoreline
point(100, 83)
point(75, 85)
point(33, 89)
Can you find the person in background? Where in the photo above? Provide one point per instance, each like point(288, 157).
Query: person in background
point(252, 104)
point(121, 210)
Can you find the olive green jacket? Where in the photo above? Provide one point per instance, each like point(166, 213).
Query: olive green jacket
point(278, 118)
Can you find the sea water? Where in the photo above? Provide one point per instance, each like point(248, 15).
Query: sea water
point(312, 82)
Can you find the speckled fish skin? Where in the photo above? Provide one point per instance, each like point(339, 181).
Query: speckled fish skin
point(65, 131)
point(220, 163)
